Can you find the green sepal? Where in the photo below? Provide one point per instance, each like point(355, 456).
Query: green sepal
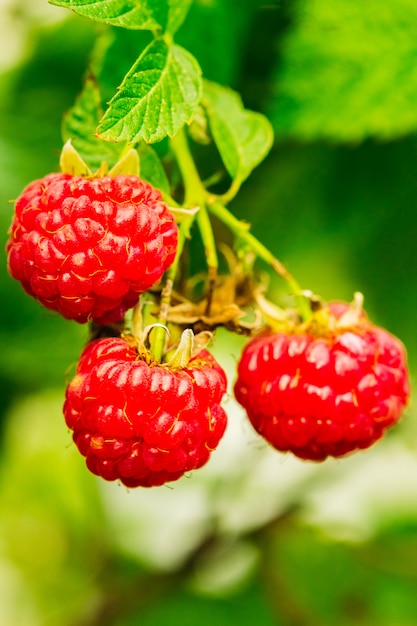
point(71, 162)
point(128, 164)
point(184, 352)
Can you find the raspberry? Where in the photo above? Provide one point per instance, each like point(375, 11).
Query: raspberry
point(143, 423)
point(324, 391)
point(88, 247)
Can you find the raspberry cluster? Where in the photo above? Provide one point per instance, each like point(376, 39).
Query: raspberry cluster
point(143, 423)
point(325, 391)
point(87, 247)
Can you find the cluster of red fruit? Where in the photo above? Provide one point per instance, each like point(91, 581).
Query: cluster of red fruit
point(88, 247)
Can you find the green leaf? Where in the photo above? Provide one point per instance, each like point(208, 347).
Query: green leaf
point(158, 96)
point(348, 71)
point(151, 168)
point(178, 10)
point(243, 137)
point(79, 126)
point(154, 15)
point(114, 53)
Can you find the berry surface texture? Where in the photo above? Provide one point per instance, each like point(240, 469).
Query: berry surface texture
point(141, 422)
point(87, 247)
point(326, 390)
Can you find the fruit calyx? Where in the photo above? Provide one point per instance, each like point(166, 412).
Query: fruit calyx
point(327, 320)
point(176, 354)
point(71, 162)
point(179, 358)
point(334, 318)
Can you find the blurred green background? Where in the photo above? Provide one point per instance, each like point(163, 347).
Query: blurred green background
point(255, 537)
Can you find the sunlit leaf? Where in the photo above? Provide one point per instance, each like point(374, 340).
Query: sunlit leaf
point(114, 53)
point(165, 15)
point(243, 137)
point(157, 96)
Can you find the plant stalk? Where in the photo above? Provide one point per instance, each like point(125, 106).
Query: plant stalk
point(195, 196)
point(241, 230)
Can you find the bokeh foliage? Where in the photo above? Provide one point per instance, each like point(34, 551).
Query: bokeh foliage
point(337, 63)
point(335, 200)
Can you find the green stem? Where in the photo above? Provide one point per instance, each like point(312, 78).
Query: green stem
point(183, 235)
point(241, 230)
point(159, 333)
point(209, 242)
point(195, 195)
point(215, 178)
point(231, 192)
point(195, 192)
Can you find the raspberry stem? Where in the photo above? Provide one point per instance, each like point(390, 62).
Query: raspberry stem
point(241, 229)
point(197, 195)
point(159, 334)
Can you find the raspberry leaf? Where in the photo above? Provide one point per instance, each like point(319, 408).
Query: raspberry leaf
point(79, 126)
point(158, 95)
point(243, 137)
point(155, 15)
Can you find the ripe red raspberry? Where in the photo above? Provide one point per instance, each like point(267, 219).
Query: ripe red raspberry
point(144, 424)
point(87, 247)
point(324, 391)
